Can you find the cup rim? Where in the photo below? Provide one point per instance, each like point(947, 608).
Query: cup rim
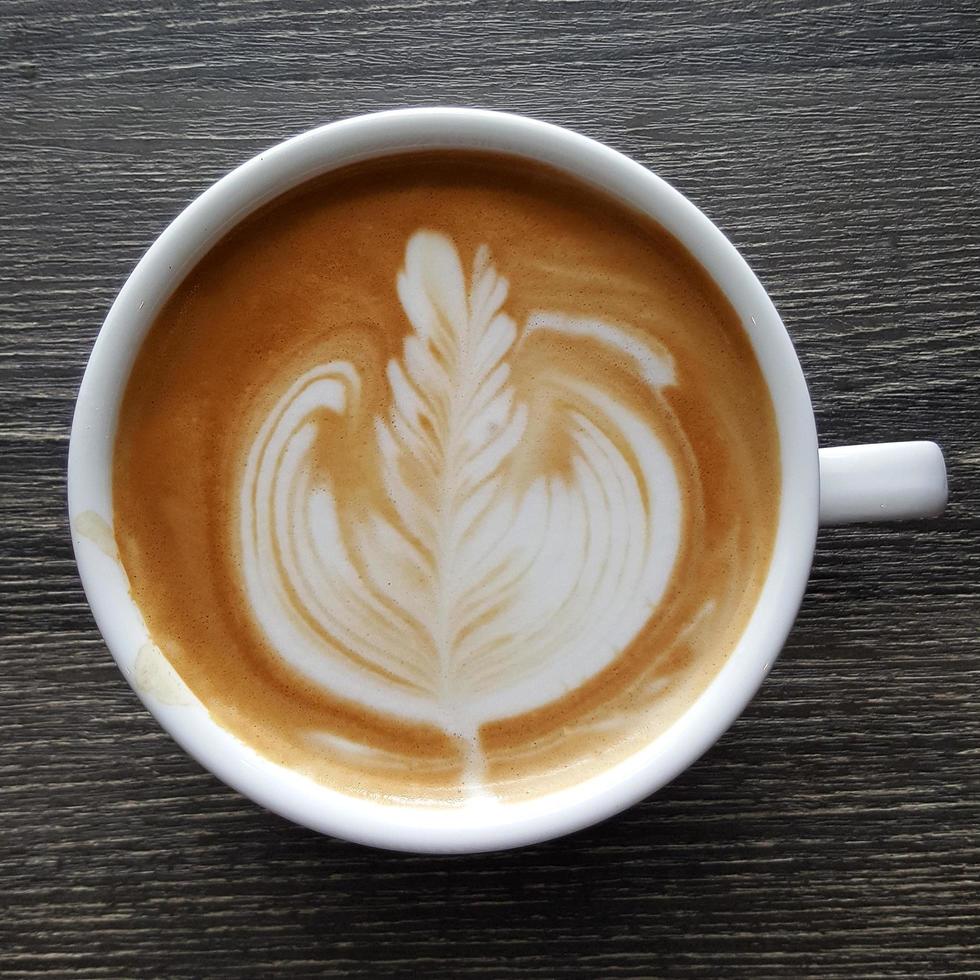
point(297, 797)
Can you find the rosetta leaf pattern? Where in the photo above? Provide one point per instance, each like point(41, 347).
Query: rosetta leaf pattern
point(472, 593)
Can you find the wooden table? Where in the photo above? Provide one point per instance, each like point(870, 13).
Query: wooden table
point(833, 831)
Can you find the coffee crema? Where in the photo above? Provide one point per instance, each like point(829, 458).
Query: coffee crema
point(446, 477)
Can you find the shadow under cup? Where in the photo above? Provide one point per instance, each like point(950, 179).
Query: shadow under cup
point(514, 386)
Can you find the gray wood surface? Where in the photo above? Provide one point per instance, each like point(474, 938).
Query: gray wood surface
point(833, 832)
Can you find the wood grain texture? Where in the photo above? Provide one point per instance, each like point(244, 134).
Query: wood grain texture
point(833, 832)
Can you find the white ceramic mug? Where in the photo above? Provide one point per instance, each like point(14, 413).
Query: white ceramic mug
point(881, 482)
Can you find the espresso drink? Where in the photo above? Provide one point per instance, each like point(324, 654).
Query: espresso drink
point(446, 477)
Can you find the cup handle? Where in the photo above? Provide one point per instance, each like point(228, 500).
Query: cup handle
point(888, 481)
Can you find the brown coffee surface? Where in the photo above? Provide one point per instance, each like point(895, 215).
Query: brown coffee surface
point(446, 474)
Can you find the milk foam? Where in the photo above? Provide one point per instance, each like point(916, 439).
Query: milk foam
point(487, 579)
point(427, 536)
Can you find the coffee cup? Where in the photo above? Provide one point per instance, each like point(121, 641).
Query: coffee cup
point(834, 485)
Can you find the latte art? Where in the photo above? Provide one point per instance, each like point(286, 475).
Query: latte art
point(445, 479)
point(488, 576)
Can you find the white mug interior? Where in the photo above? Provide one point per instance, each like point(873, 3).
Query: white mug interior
point(485, 825)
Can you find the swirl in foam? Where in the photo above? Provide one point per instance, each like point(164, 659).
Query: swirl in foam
point(490, 578)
